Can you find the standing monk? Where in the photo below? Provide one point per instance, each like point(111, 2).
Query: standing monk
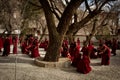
point(15, 42)
point(83, 65)
point(105, 54)
point(76, 51)
point(24, 45)
point(92, 50)
point(64, 52)
point(1, 43)
point(35, 50)
point(6, 46)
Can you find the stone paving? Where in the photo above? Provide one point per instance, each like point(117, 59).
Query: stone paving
point(22, 67)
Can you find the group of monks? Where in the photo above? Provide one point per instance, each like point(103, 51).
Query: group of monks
point(31, 46)
point(6, 43)
point(80, 57)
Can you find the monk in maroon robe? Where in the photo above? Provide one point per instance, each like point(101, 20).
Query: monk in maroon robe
point(66, 41)
point(15, 42)
point(41, 44)
point(83, 65)
point(64, 52)
point(105, 54)
point(6, 46)
point(78, 41)
point(92, 50)
point(76, 51)
point(71, 49)
point(24, 47)
point(35, 50)
point(1, 43)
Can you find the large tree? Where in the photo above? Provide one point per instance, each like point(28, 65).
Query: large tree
point(57, 33)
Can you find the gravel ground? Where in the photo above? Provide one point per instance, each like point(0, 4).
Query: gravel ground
point(22, 67)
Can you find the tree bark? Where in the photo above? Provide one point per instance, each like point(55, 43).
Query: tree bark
point(56, 35)
point(75, 27)
point(53, 51)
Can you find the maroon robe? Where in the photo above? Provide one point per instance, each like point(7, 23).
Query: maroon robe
point(83, 65)
point(41, 44)
point(75, 56)
point(1, 43)
point(35, 50)
point(66, 41)
point(92, 51)
point(24, 47)
point(10, 39)
point(64, 52)
point(71, 49)
point(78, 41)
point(105, 55)
point(15, 42)
point(6, 47)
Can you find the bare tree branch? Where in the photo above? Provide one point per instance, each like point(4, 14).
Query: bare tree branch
point(87, 6)
point(54, 8)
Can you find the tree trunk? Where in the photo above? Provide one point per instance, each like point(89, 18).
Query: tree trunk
point(70, 38)
point(56, 35)
point(53, 51)
point(88, 38)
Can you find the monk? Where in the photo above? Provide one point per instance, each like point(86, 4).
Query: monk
point(1, 43)
point(75, 55)
point(15, 42)
point(105, 54)
point(24, 47)
point(83, 65)
point(71, 49)
point(6, 46)
point(66, 41)
point(35, 50)
point(78, 41)
point(92, 50)
point(64, 52)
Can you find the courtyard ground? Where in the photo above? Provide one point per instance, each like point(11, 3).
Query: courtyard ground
point(22, 67)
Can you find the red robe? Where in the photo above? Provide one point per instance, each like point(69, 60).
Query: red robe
point(83, 65)
point(75, 56)
point(71, 49)
point(41, 44)
point(64, 52)
point(78, 41)
point(23, 47)
point(1, 43)
point(92, 51)
point(6, 47)
point(10, 38)
point(66, 41)
point(35, 50)
point(15, 42)
point(106, 56)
